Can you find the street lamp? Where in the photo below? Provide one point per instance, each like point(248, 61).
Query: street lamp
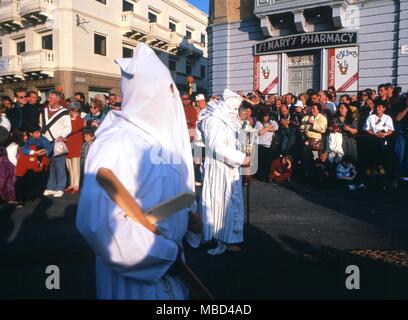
point(190, 81)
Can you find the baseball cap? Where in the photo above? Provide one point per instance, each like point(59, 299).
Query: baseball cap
point(299, 103)
point(200, 97)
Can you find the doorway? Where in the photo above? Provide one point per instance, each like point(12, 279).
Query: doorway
point(303, 71)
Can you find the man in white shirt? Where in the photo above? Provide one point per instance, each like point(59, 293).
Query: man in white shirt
point(379, 124)
point(4, 122)
point(56, 126)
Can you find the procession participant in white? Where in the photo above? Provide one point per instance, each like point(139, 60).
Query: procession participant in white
point(222, 199)
point(147, 148)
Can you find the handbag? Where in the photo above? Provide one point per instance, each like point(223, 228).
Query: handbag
point(60, 148)
point(315, 144)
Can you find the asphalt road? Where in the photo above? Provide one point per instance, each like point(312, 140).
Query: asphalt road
point(298, 246)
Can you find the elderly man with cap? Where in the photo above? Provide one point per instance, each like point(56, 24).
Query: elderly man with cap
point(146, 147)
point(55, 124)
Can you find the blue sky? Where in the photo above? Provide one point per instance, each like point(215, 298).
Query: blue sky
point(201, 4)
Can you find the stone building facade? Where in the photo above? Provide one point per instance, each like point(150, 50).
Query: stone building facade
point(73, 43)
point(280, 46)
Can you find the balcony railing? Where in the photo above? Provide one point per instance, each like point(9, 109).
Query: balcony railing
point(10, 14)
point(134, 26)
point(191, 48)
point(159, 33)
point(10, 67)
point(196, 47)
point(36, 9)
point(39, 62)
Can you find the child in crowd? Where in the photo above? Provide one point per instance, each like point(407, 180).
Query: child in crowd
point(323, 170)
point(32, 164)
point(346, 173)
point(89, 137)
point(7, 170)
point(281, 170)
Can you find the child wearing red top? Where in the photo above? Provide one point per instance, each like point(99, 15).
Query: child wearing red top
point(281, 170)
point(74, 143)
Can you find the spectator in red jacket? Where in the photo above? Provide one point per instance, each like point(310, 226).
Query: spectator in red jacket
point(74, 143)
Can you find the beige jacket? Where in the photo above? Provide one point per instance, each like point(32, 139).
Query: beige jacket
point(316, 130)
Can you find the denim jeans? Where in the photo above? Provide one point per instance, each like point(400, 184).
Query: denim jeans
point(58, 176)
point(401, 151)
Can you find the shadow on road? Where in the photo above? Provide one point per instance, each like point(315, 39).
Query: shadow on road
point(287, 268)
point(386, 209)
point(33, 239)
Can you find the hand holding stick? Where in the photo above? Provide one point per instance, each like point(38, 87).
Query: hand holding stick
point(121, 196)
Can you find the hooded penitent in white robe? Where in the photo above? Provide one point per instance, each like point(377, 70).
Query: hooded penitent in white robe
point(222, 198)
point(131, 261)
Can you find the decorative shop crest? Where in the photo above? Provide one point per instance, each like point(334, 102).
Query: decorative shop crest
point(266, 72)
point(343, 67)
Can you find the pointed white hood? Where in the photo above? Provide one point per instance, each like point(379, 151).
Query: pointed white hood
point(227, 110)
point(151, 101)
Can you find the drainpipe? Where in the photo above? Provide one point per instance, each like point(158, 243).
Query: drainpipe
point(398, 8)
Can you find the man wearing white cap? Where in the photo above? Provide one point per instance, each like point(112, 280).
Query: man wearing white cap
point(222, 199)
point(146, 146)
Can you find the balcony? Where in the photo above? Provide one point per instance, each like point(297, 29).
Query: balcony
point(176, 41)
point(10, 19)
point(190, 48)
point(197, 49)
point(38, 64)
point(159, 36)
point(36, 11)
point(10, 69)
point(134, 26)
point(268, 7)
point(286, 17)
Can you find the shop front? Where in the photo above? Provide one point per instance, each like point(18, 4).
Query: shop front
point(307, 61)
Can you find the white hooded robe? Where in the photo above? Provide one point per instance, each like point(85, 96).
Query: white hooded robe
point(222, 198)
point(131, 261)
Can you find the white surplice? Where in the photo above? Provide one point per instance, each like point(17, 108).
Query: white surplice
point(131, 261)
point(222, 198)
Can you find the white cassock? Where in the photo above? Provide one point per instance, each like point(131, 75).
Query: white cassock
point(131, 261)
point(222, 198)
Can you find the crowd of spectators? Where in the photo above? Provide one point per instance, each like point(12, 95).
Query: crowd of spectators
point(43, 146)
point(321, 137)
point(326, 138)
point(355, 141)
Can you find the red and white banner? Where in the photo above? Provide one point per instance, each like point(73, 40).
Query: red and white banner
point(343, 68)
point(266, 77)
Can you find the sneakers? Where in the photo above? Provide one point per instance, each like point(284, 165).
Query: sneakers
point(220, 249)
point(362, 186)
point(49, 193)
point(58, 194)
point(20, 205)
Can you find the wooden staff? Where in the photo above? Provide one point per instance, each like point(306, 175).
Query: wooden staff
point(121, 196)
point(247, 172)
